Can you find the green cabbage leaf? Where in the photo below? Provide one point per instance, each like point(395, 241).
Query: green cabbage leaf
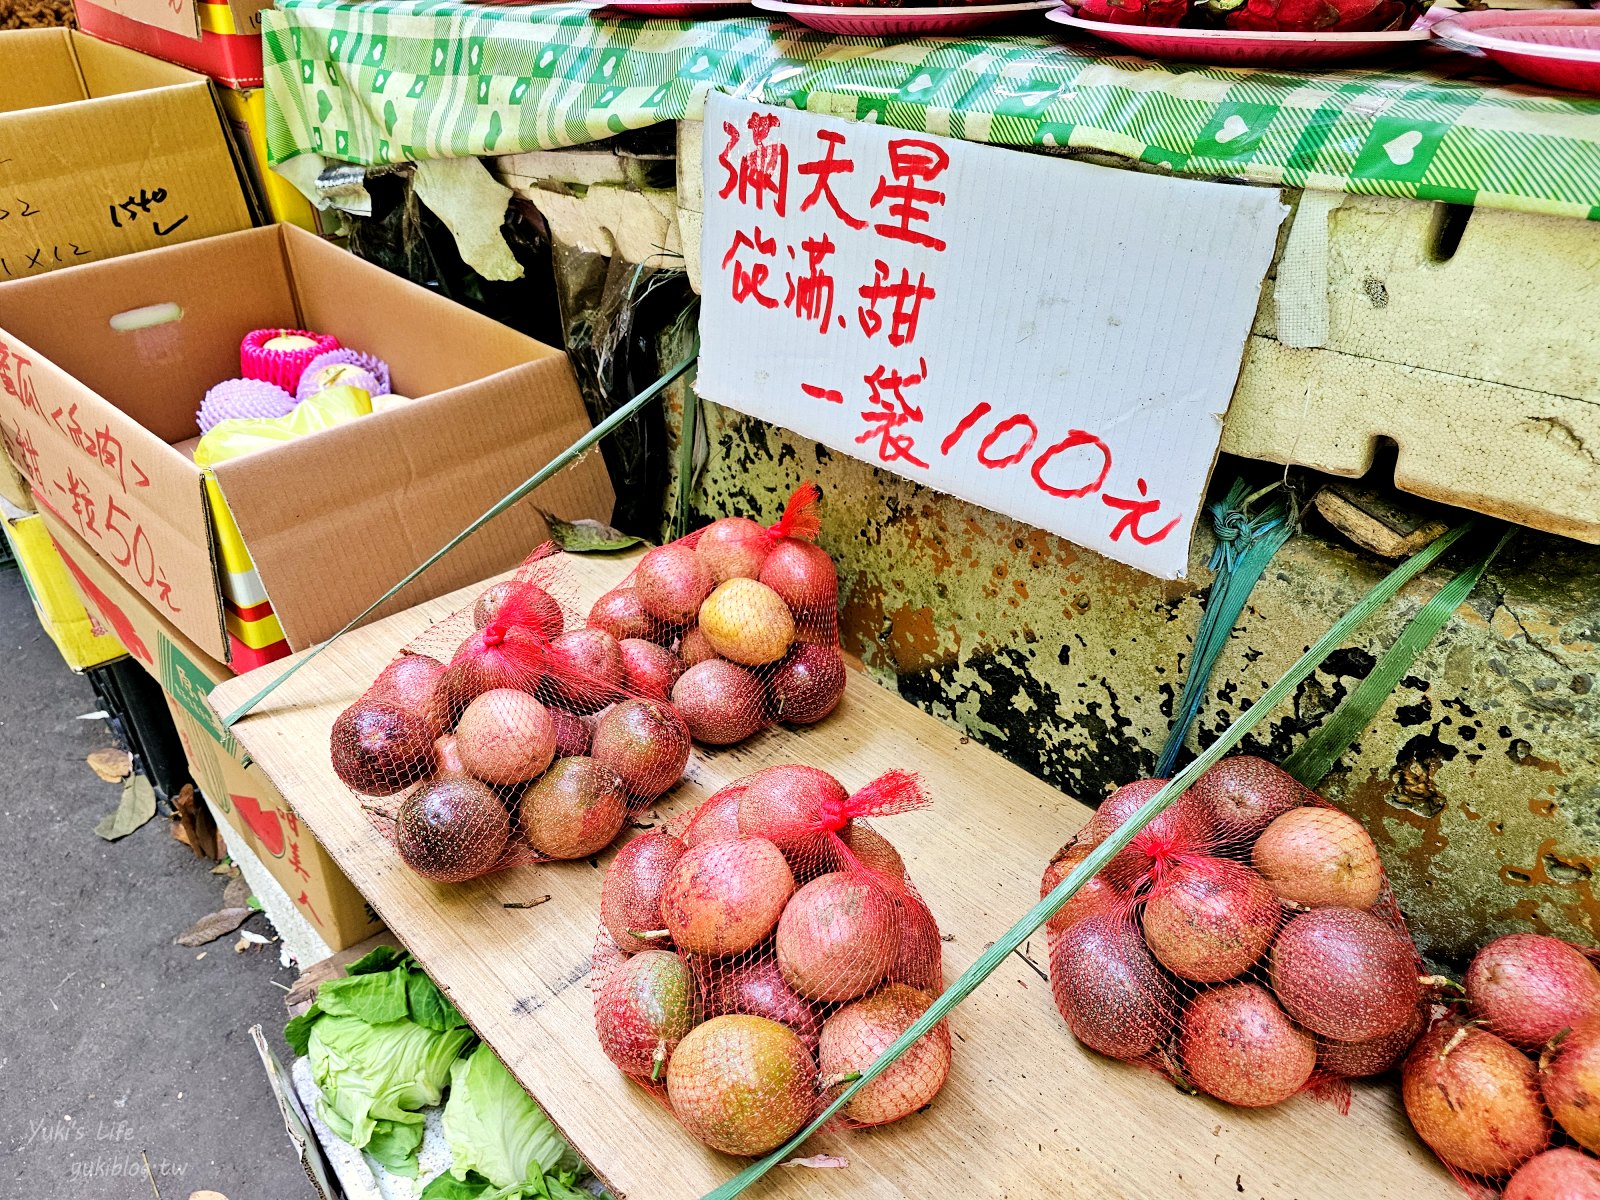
point(502, 1146)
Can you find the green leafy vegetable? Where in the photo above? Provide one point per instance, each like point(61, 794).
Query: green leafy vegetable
point(385, 985)
point(375, 1078)
point(428, 1004)
point(497, 1133)
point(380, 1042)
point(446, 1186)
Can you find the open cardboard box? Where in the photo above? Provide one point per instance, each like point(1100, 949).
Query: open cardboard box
point(102, 402)
point(105, 152)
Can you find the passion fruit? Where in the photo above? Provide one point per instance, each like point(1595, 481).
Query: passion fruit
point(742, 1084)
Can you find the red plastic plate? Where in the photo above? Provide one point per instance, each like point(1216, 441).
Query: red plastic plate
point(1225, 47)
point(1560, 48)
point(669, 9)
point(866, 21)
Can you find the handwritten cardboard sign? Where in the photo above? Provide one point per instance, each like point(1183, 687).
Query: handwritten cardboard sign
point(104, 152)
point(1052, 340)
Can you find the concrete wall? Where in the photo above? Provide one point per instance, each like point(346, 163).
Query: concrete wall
point(1480, 779)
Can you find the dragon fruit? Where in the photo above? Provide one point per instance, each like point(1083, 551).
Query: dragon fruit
point(1133, 12)
point(1316, 16)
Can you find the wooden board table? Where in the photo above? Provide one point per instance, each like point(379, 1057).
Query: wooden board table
point(1026, 1113)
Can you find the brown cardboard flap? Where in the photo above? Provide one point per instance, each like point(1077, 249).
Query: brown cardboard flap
point(225, 287)
point(431, 344)
point(110, 70)
point(106, 177)
point(410, 479)
point(37, 68)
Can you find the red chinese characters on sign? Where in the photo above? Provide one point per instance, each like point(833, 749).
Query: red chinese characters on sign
point(889, 413)
point(909, 202)
point(811, 294)
point(1073, 467)
point(19, 448)
point(16, 378)
point(825, 168)
point(81, 503)
point(108, 449)
point(883, 209)
point(906, 298)
point(1133, 511)
point(761, 171)
point(83, 497)
point(102, 521)
point(749, 277)
point(72, 431)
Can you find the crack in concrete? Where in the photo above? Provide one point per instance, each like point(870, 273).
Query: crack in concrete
point(1527, 635)
point(1418, 368)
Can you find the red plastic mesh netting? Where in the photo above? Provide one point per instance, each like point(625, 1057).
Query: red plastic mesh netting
point(1505, 1089)
point(763, 950)
point(1245, 943)
point(508, 733)
point(738, 621)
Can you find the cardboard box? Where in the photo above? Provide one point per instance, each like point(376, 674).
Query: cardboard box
point(333, 520)
point(83, 641)
point(105, 152)
point(254, 810)
point(246, 112)
point(222, 40)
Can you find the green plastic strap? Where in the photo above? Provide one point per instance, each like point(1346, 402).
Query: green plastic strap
point(537, 479)
point(687, 428)
point(1041, 912)
point(1315, 757)
point(1245, 545)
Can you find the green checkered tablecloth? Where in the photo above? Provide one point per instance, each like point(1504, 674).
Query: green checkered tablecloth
point(400, 80)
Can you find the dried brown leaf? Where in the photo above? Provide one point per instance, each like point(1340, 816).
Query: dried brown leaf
point(194, 826)
point(213, 925)
point(111, 765)
point(235, 911)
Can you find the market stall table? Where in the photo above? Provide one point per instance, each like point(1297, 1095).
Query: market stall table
point(1027, 1112)
point(416, 80)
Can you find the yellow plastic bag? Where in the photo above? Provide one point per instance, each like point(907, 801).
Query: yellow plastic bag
point(245, 435)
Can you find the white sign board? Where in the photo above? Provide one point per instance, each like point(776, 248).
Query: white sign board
point(1049, 339)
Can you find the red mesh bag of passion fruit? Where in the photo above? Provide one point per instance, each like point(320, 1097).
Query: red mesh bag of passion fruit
point(508, 734)
point(1245, 943)
point(738, 621)
point(1505, 1089)
point(762, 951)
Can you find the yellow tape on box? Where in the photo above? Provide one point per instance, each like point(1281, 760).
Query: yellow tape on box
point(78, 636)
